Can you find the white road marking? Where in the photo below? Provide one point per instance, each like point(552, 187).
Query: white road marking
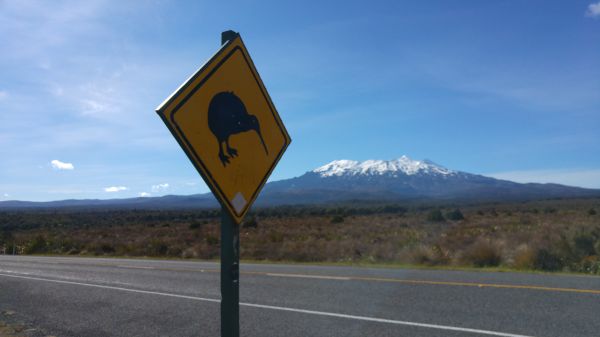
point(271, 307)
point(310, 276)
point(134, 267)
point(115, 288)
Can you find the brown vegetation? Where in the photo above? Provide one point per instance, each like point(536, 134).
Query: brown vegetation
point(559, 235)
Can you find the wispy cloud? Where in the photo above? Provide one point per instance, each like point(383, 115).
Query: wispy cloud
point(5, 195)
point(160, 187)
point(593, 10)
point(114, 189)
point(59, 165)
point(3, 94)
point(100, 99)
point(144, 194)
point(582, 178)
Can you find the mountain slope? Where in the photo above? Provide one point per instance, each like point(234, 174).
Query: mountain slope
point(405, 178)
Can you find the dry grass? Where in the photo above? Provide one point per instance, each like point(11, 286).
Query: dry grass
point(550, 235)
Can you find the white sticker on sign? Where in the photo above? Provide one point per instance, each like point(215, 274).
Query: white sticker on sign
point(238, 202)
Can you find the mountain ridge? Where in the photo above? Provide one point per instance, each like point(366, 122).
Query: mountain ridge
point(399, 179)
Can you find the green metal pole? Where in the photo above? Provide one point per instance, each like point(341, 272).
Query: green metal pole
point(230, 276)
point(230, 261)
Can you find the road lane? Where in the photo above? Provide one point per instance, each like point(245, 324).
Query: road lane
point(383, 294)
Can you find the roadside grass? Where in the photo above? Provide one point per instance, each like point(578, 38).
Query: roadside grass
point(11, 326)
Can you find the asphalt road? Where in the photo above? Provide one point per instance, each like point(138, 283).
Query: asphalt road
point(124, 297)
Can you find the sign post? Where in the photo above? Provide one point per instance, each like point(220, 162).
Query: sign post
point(230, 276)
point(230, 261)
point(224, 120)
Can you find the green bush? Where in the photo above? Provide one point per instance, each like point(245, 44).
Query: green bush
point(546, 260)
point(212, 239)
point(584, 245)
point(36, 246)
point(435, 215)
point(337, 219)
point(250, 222)
point(107, 248)
point(195, 225)
point(455, 215)
point(592, 211)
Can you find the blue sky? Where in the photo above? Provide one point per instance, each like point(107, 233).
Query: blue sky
point(503, 88)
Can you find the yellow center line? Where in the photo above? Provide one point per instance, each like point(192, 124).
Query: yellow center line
point(479, 285)
point(442, 283)
point(371, 279)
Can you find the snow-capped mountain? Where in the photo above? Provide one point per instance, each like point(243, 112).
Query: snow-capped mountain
point(405, 178)
point(349, 180)
point(400, 166)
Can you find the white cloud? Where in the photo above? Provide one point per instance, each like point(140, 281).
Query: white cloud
point(159, 187)
point(582, 178)
point(59, 165)
point(144, 194)
point(593, 10)
point(93, 107)
point(3, 95)
point(5, 195)
point(113, 189)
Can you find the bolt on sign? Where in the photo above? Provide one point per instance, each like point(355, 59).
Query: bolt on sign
point(226, 123)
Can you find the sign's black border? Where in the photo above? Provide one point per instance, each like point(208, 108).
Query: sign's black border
point(192, 155)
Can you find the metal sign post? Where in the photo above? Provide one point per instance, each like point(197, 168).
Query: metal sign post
point(224, 120)
point(230, 276)
point(230, 261)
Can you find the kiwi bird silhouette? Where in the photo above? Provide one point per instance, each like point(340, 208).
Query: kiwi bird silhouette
point(227, 116)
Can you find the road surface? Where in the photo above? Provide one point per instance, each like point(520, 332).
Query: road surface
point(126, 297)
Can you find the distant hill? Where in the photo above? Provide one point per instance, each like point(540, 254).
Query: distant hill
point(164, 202)
point(347, 180)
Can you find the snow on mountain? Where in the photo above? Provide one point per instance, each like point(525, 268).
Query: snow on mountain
point(401, 166)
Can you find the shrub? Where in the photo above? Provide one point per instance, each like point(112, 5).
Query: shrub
point(195, 225)
point(435, 215)
point(592, 211)
point(430, 256)
point(546, 260)
point(212, 239)
point(394, 209)
point(251, 222)
point(524, 258)
point(107, 248)
point(455, 215)
point(590, 264)
point(337, 219)
point(584, 245)
point(483, 254)
point(37, 245)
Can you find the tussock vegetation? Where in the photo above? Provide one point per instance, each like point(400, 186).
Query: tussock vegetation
point(555, 235)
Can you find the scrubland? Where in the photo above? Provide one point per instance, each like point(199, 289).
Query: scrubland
point(552, 235)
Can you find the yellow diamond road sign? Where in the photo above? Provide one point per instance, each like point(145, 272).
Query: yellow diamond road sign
point(226, 123)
